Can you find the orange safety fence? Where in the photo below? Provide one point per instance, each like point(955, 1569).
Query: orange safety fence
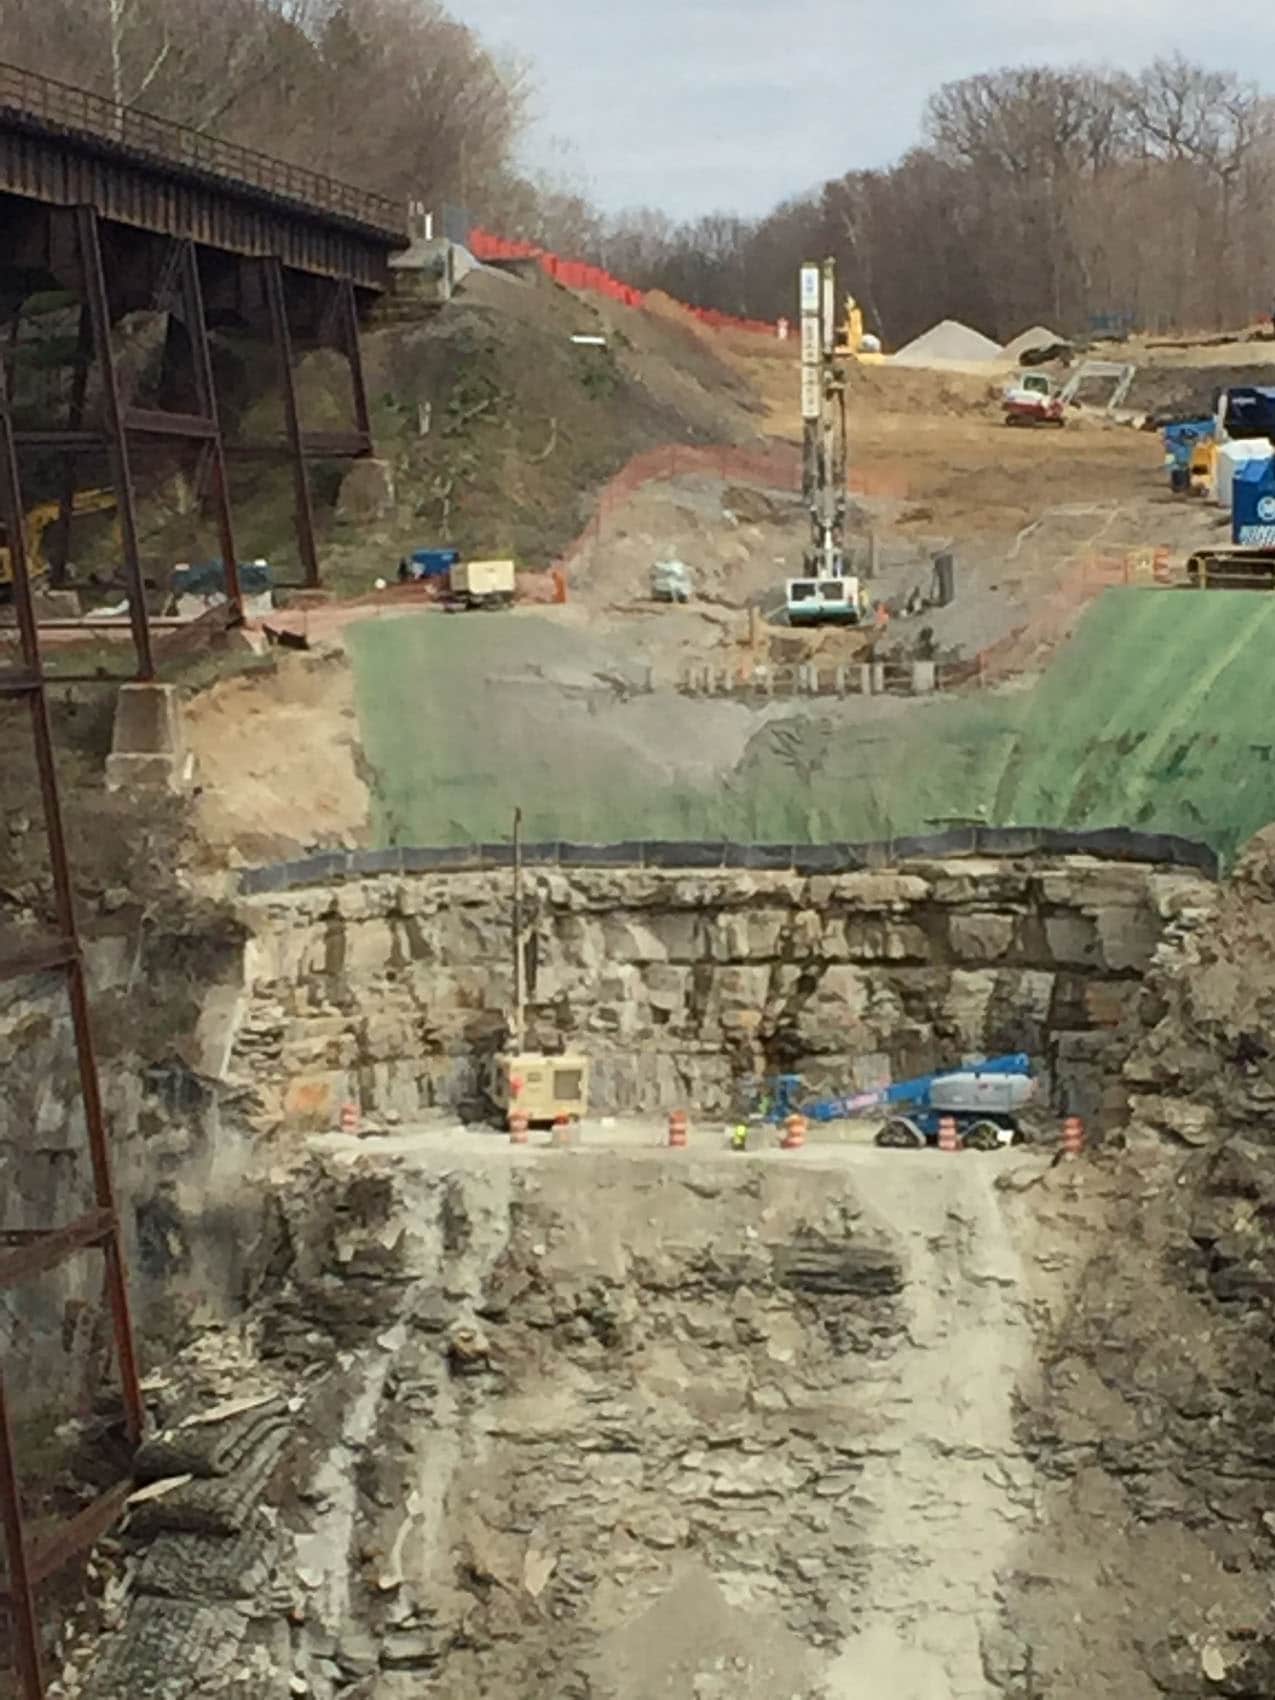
point(1056, 616)
point(575, 274)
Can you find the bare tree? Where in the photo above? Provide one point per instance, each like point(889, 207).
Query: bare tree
point(1039, 193)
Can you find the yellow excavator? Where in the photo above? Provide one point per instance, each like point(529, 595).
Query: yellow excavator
point(37, 522)
point(853, 340)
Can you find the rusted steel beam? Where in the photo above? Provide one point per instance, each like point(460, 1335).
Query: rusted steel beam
point(336, 445)
point(11, 346)
point(48, 1551)
point(206, 387)
point(19, 1597)
point(22, 1602)
point(277, 301)
point(155, 423)
point(66, 171)
point(71, 441)
point(348, 331)
point(315, 445)
point(64, 907)
point(99, 1226)
point(41, 959)
point(60, 542)
point(104, 1191)
point(13, 684)
point(93, 280)
point(45, 1250)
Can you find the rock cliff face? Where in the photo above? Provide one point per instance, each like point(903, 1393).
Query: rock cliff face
point(737, 1428)
point(216, 1030)
point(1201, 1065)
point(394, 991)
point(1155, 1416)
point(161, 986)
point(615, 1425)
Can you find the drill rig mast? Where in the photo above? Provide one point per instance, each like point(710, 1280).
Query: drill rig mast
point(824, 594)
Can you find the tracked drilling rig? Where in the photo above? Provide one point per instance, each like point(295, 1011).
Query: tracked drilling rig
point(825, 594)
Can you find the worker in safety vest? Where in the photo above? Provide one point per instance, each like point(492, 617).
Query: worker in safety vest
point(739, 1137)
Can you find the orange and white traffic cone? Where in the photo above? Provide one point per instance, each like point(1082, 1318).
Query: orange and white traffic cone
point(349, 1117)
point(1073, 1137)
point(794, 1133)
point(678, 1130)
point(563, 1132)
point(949, 1139)
point(519, 1127)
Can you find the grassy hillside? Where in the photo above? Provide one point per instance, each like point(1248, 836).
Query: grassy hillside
point(1156, 715)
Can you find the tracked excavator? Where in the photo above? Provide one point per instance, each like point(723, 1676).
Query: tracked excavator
point(38, 521)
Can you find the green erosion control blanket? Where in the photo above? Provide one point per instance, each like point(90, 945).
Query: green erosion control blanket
point(1159, 714)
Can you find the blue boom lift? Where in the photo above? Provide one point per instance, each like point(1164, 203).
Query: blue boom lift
point(983, 1100)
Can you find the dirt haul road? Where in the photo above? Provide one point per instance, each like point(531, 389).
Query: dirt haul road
point(940, 439)
point(949, 1489)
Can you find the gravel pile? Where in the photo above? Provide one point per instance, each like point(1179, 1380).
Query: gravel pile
point(1039, 336)
point(949, 340)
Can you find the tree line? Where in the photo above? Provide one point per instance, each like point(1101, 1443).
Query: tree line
point(1036, 194)
point(395, 96)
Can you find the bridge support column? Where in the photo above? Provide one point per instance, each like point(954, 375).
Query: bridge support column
point(60, 543)
point(348, 335)
point(93, 277)
point(278, 305)
point(206, 390)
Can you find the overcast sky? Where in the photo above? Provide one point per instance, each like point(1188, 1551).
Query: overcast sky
point(696, 105)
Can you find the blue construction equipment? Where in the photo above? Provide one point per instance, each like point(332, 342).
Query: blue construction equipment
point(427, 564)
point(982, 1099)
point(774, 1101)
point(1253, 505)
point(1179, 439)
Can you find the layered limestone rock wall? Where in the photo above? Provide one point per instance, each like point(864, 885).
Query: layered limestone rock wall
point(395, 991)
point(1155, 1418)
point(1201, 1060)
point(594, 1427)
point(606, 1425)
point(214, 1029)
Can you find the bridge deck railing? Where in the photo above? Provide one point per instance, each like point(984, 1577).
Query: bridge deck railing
point(60, 106)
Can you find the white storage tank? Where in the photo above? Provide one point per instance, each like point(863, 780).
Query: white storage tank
point(1231, 455)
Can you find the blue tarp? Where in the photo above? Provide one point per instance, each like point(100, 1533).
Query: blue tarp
point(428, 563)
point(1250, 411)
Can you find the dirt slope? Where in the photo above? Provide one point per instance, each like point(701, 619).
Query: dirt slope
point(278, 761)
point(499, 427)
